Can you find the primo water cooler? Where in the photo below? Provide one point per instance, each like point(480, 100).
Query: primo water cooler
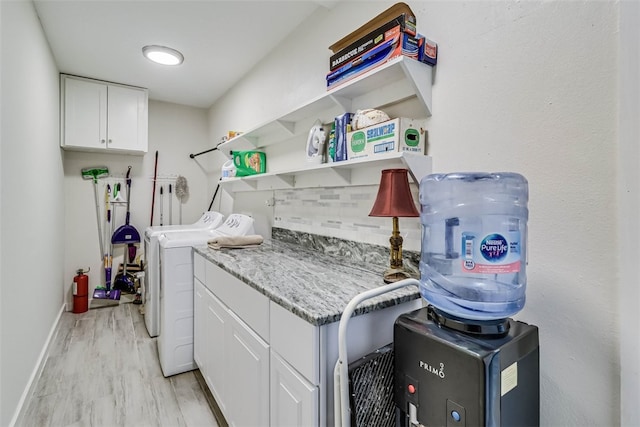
point(461, 360)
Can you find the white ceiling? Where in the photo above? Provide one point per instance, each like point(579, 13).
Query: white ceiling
point(220, 40)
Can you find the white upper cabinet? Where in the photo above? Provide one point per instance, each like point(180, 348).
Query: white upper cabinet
point(103, 117)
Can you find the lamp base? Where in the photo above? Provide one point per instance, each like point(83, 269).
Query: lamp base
point(392, 275)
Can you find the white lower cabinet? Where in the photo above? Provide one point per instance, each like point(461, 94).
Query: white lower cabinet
point(232, 358)
point(294, 400)
point(216, 325)
point(199, 304)
point(210, 320)
point(248, 382)
point(264, 365)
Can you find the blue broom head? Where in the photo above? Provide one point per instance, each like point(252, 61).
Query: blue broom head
point(125, 234)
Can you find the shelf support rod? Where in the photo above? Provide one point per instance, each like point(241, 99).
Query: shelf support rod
point(202, 152)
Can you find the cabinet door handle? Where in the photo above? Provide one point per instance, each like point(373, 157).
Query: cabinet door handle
point(102, 141)
point(109, 141)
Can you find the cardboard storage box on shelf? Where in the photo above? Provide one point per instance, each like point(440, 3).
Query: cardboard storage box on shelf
point(396, 44)
point(406, 24)
point(396, 135)
point(376, 22)
point(427, 50)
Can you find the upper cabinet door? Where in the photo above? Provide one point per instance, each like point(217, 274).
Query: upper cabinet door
point(127, 118)
point(101, 116)
point(84, 114)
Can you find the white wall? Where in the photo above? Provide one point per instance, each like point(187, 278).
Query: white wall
point(42, 242)
point(31, 208)
point(523, 86)
point(175, 131)
point(629, 212)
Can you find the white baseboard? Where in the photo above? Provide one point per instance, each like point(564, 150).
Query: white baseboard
point(37, 371)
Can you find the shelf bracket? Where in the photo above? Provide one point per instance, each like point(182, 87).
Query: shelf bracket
point(253, 140)
point(418, 166)
point(344, 102)
point(238, 184)
point(288, 180)
point(420, 80)
point(287, 125)
point(343, 174)
point(240, 143)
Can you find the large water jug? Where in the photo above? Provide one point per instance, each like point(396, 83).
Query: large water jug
point(474, 241)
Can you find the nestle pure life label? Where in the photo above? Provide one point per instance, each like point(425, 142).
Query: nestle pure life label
point(494, 252)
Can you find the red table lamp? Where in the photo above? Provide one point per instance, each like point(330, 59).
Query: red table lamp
point(394, 200)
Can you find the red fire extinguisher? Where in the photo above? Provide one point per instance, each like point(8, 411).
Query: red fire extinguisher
point(81, 291)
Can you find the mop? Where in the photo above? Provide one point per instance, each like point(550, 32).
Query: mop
point(94, 173)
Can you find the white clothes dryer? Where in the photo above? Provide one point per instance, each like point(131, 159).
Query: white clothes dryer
point(151, 294)
point(175, 341)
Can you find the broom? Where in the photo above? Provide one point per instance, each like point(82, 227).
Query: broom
point(182, 192)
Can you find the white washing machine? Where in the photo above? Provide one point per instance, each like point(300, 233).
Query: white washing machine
point(175, 341)
point(208, 221)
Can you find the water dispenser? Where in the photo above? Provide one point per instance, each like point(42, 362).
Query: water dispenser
point(461, 360)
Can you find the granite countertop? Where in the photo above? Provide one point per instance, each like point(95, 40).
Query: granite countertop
point(311, 284)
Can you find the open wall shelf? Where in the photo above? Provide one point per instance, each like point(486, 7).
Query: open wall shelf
point(396, 81)
point(339, 174)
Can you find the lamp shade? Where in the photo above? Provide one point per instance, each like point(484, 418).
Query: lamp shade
point(394, 195)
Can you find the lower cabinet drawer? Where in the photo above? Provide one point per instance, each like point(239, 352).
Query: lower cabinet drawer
point(199, 266)
point(250, 305)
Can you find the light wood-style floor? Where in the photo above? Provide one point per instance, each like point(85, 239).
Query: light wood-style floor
point(103, 370)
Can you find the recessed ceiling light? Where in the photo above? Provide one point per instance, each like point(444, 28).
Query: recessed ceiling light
point(162, 55)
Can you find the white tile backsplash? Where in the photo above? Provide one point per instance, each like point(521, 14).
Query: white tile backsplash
point(342, 212)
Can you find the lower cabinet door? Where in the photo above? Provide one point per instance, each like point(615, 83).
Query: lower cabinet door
point(294, 400)
point(248, 368)
point(216, 373)
point(199, 337)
